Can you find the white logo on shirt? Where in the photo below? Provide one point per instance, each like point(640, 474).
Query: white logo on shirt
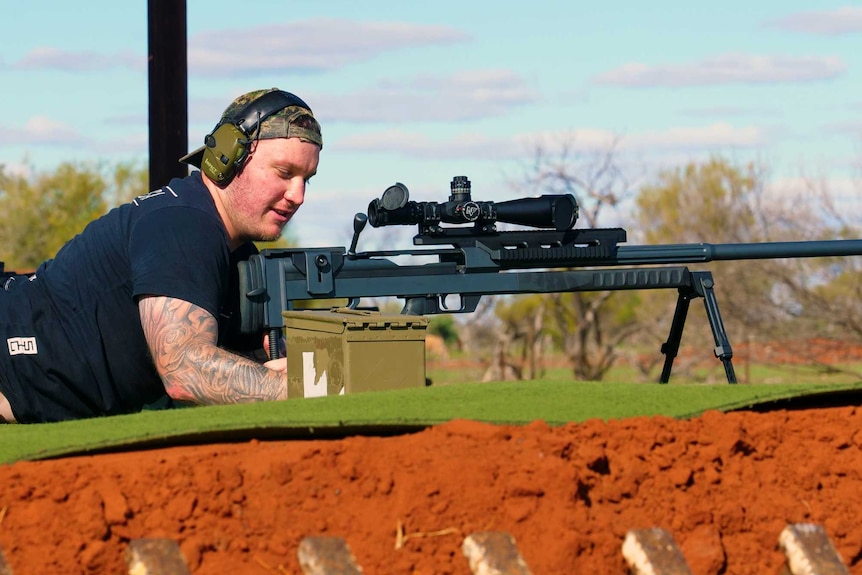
point(152, 194)
point(22, 345)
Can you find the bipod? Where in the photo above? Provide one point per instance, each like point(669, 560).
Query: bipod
point(700, 285)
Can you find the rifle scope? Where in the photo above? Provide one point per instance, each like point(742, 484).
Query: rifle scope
point(394, 208)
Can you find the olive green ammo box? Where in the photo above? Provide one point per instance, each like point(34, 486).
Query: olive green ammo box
point(332, 352)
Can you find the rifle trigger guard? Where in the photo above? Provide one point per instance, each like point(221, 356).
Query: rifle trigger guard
point(434, 304)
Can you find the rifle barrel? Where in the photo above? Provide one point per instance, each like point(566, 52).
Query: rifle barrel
point(703, 252)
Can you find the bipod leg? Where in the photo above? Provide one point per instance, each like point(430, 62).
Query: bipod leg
point(703, 284)
point(670, 348)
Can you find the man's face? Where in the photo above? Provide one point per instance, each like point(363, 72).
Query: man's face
point(270, 188)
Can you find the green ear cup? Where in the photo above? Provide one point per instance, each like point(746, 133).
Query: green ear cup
point(226, 150)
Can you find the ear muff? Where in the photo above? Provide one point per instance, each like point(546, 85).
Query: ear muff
point(225, 152)
point(226, 147)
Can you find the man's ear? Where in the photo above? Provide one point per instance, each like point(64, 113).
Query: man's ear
point(252, 147)
point(248, 158)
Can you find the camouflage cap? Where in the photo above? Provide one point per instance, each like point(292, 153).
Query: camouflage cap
point(295, 120)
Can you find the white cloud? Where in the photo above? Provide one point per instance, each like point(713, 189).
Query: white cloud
point(466, 95)
point(848, 126)
point(584, 139)
point(22, 169)
point(43, 131)
point(413, 144)
point(844, 20)
point(811, 195)
point(713, 137)
point(40, 130)
point(731, 111)
point(733, 68)
point(47, 57)
point(133, 143)
point(697, 138)
point(308, 45)
point(801, 187)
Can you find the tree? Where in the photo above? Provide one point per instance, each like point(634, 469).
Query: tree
point(700, 202)
point(521, 343)
point(766, 300)
point(444, 325)
point(713, 202)
point(127, 180)
point(589, 327)
point(39, 215)
point(820, 297)
point(594, 177)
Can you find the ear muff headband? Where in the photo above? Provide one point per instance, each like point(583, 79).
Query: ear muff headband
point(226, 147)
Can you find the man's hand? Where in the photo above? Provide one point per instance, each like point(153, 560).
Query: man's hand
point(282, 349)
point(279, 364)
point(182, 339)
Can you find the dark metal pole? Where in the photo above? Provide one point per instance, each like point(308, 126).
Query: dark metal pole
point(168, 89)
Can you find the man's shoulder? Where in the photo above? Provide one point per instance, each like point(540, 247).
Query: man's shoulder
point(183, 210)
point(179, 192)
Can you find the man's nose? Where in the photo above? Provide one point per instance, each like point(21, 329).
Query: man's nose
point(295, 192)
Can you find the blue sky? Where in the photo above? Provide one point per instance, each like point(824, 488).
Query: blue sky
point(418, 92)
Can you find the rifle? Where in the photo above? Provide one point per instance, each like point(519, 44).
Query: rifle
point(471, 258)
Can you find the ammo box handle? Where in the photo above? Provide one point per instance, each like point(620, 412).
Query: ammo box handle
point(348, 310)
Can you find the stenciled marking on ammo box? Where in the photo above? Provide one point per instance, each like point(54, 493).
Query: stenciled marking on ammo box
point(321, 365)
point(312, 384)
point(329, 359)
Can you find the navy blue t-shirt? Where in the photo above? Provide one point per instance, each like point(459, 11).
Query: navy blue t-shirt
point(75, 345)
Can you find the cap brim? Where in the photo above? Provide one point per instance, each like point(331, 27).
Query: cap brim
point(194, 158)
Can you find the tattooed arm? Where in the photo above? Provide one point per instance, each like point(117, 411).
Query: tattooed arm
point(182, 339)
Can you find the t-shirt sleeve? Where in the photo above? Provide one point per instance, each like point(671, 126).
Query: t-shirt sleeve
point(180, 253)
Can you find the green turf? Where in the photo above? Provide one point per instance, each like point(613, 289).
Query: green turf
point(382, 412)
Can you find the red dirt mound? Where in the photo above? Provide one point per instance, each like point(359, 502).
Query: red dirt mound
point(724, 485)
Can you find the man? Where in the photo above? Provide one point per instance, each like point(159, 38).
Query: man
point(142, 303)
